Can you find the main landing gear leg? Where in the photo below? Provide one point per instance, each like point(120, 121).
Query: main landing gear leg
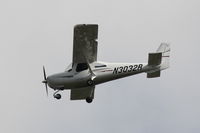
point(57, 96)
point(89, 99)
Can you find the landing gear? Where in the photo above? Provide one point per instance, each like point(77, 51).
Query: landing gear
point(57, 96)
point(90, 82)
point(89, 99)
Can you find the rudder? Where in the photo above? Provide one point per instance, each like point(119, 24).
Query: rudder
point(165, 50)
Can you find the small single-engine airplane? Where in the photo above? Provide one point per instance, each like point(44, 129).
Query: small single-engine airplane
point(85, 71)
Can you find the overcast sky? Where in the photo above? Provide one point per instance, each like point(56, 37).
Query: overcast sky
point(34, 33)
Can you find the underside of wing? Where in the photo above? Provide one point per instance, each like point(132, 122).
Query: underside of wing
point(85, 44)
point(82, 93)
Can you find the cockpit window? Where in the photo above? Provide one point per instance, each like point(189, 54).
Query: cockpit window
point(81, 66)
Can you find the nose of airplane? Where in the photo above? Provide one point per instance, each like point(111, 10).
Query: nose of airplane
point(56, 81)
point(50, 81)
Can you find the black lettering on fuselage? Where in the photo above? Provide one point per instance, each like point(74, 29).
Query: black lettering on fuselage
point(125, 69)
point(115, 70)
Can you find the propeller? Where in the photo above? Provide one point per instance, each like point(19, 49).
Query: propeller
point(45, 80)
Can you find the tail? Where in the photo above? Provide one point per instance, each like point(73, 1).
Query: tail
point(158, 61)
point(165, 50)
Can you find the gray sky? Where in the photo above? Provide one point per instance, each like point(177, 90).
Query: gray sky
point(40, 32)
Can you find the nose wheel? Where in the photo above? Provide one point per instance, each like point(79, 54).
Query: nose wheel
point(57, 96)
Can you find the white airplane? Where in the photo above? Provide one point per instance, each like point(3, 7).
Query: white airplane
point(85, 72)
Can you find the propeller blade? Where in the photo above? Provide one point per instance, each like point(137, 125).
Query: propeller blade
point(46, 89)
point(45, 80)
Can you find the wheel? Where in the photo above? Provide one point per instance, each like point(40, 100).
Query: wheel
point(90, 82)
point(57, 96)
point(88, 99)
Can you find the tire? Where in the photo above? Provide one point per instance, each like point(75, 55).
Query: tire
point(57, 96)
point(89, 99)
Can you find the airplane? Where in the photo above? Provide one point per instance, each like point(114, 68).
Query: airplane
point(85, 72)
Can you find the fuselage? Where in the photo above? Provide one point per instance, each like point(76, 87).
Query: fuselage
point(104, 72)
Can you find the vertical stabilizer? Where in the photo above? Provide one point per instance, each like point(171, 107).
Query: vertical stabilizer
point(165, 50)
point(158, 61)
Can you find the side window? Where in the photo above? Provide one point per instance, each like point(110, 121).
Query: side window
point(81, 66)
point(100, 66)
point(69, 68)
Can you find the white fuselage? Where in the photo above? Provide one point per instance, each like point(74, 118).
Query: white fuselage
point(103, 72)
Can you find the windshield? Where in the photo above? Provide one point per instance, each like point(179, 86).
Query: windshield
point(69, 68)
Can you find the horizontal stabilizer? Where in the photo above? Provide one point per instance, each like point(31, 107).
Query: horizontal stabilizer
point(153, 75)
point(154, 59)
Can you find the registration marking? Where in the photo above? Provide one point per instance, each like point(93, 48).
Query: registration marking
point(125, 69)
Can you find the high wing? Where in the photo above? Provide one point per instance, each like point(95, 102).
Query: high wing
point(82, 93)
point(85, 44)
